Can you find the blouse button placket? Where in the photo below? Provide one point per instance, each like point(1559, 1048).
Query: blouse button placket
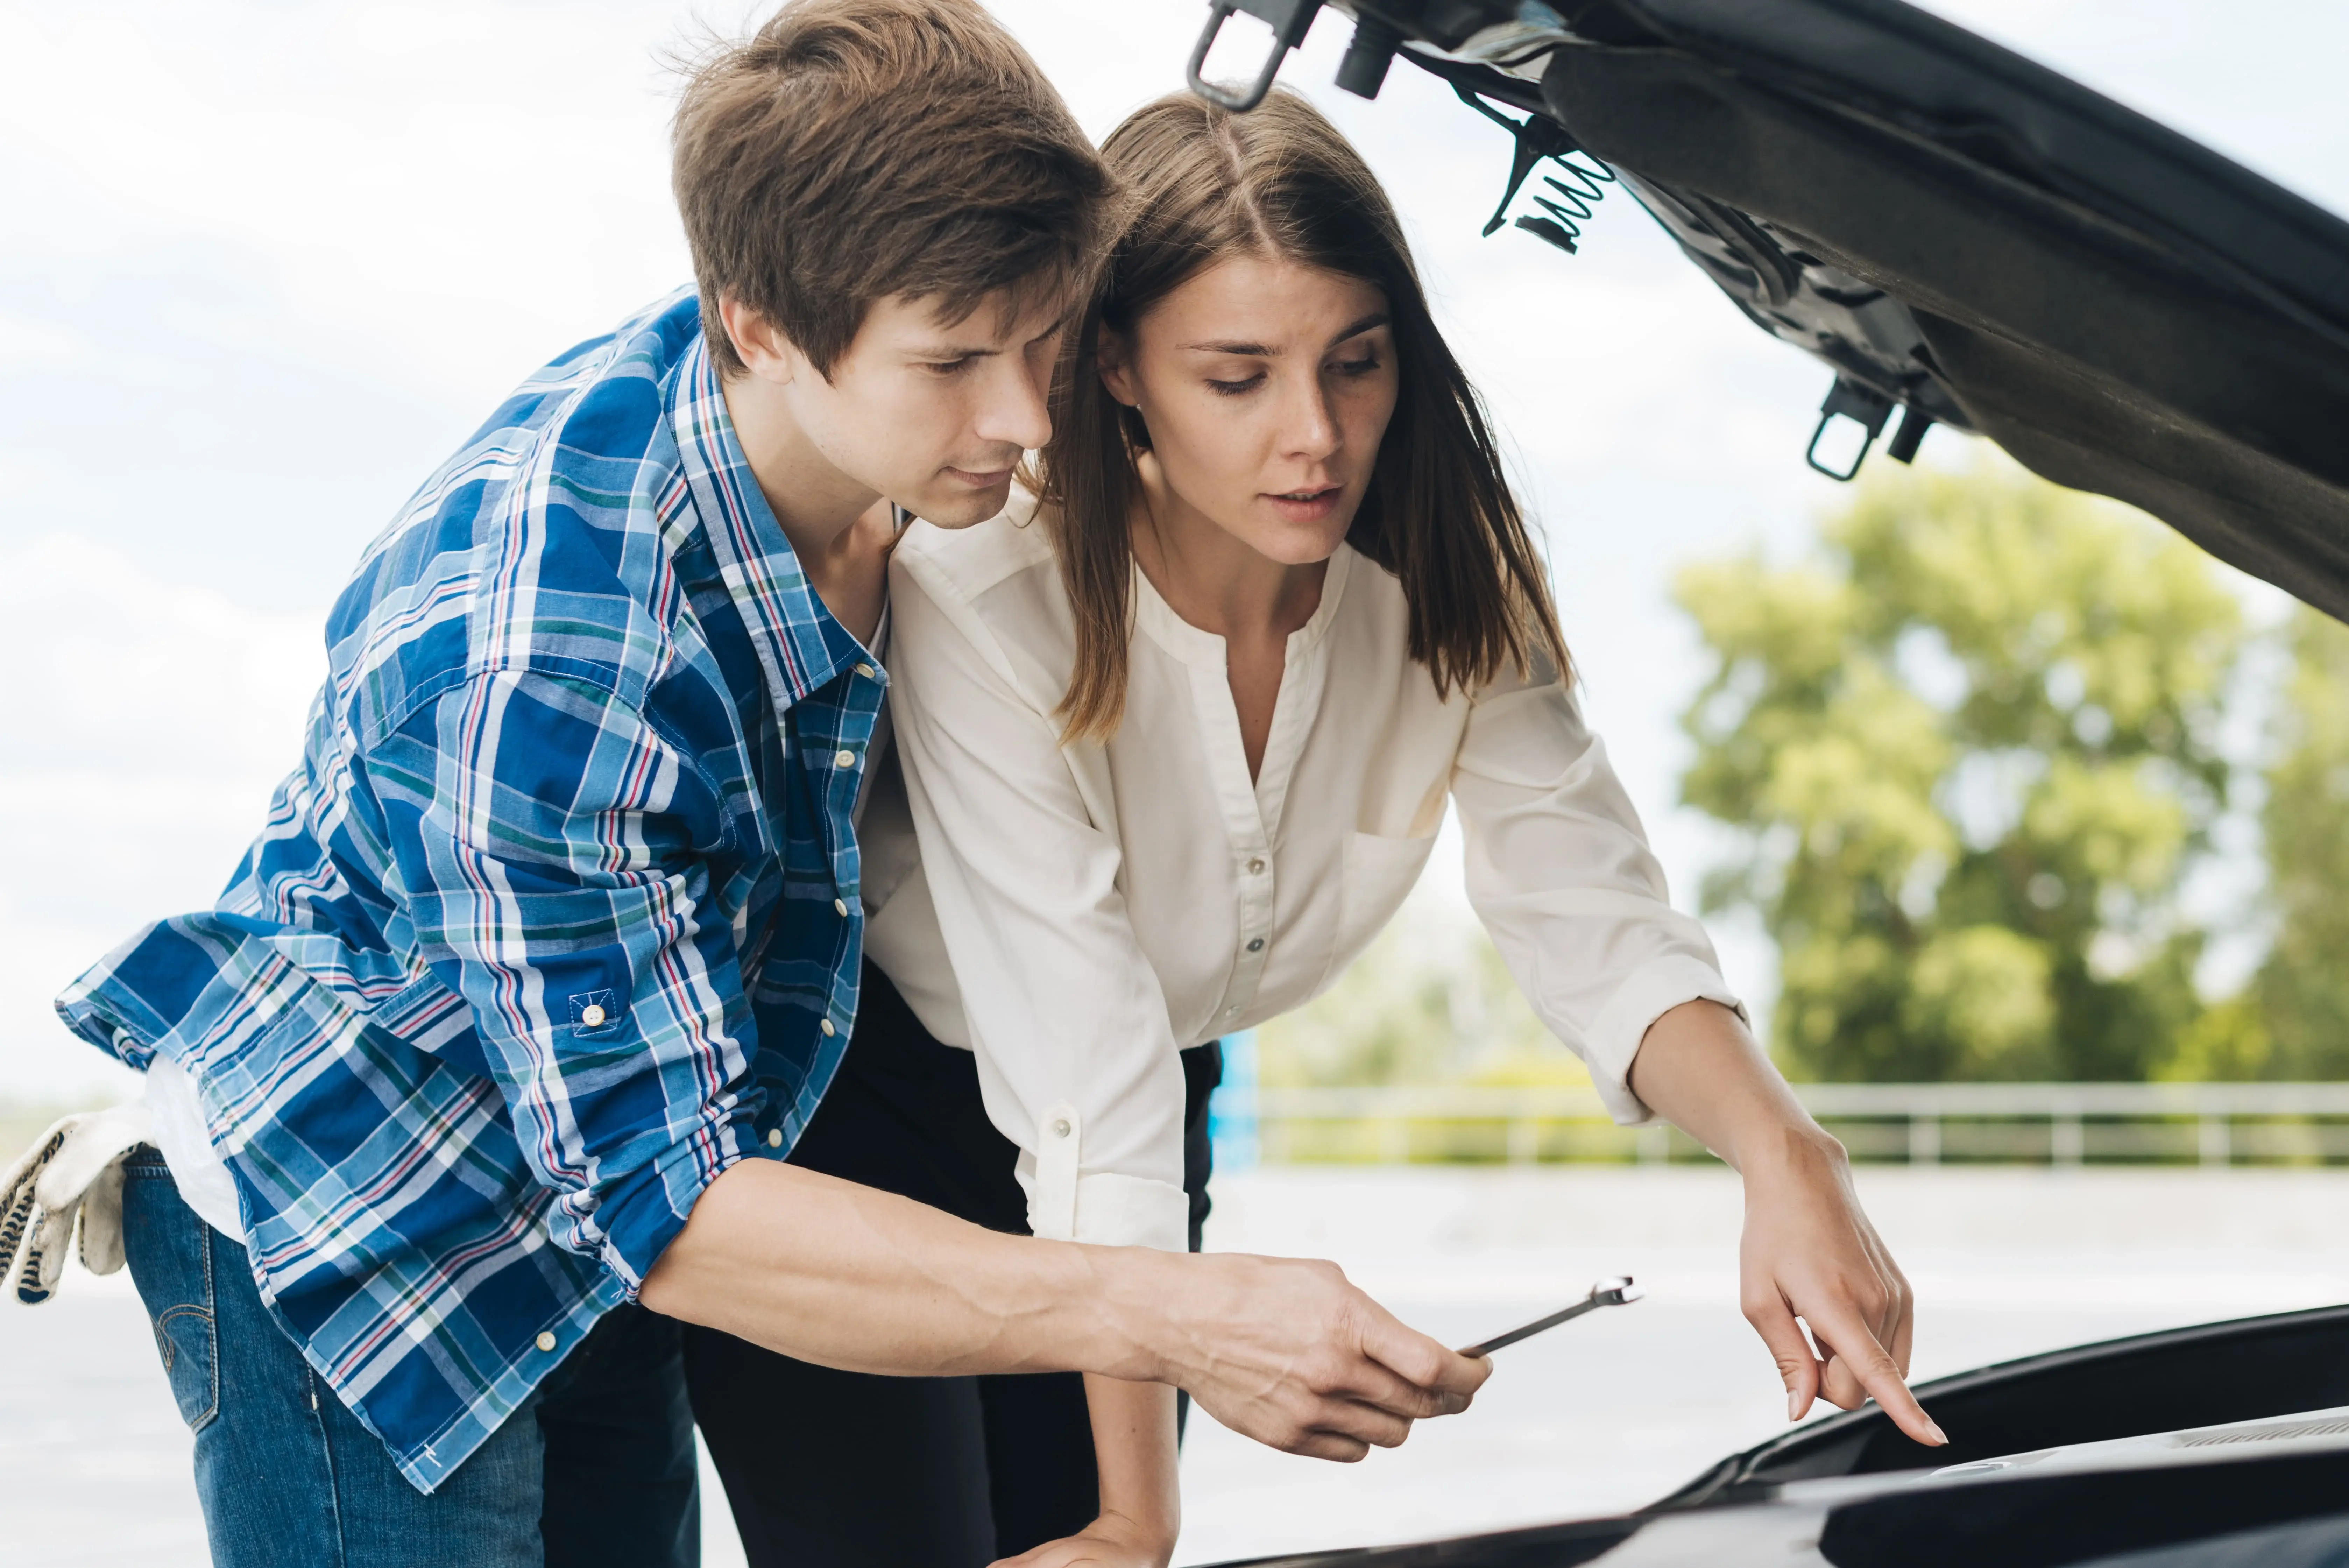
point(1256, 894)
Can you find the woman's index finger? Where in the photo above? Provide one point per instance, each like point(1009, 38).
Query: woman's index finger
point(1849, 1342)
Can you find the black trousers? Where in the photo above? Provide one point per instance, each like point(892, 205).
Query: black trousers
point(825, 1468)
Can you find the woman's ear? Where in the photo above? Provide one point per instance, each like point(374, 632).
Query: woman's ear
point(1111, 354)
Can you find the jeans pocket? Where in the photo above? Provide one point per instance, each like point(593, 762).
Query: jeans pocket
point(170, 1257)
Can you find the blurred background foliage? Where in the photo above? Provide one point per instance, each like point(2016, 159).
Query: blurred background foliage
point(1430, 1002)
point(2293, 1021)
point(1973, 753)
point(1975, 748)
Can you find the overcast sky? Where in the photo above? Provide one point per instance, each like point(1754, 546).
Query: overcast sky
point(266, 263)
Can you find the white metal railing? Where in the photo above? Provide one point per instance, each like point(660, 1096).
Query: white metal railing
point(2216, 1124)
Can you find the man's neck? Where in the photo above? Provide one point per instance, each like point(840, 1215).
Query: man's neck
point(815, 502)
point(818, 508)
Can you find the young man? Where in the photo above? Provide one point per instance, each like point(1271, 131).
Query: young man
point(551, 945)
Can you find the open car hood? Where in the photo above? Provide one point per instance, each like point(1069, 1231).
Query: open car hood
point(1965, 236)
point(2207, 1442)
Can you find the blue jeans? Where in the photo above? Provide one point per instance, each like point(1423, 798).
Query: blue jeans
point(598, 1471)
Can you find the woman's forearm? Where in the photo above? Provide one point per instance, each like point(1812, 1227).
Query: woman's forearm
point(1808, 1253)
point(1133, 1446)
point(1699, 1068)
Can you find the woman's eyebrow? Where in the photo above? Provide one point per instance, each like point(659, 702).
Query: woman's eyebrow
point(1266, 351)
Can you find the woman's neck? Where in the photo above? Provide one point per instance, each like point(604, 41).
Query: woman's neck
point(1214, 581)
point(1220, 585)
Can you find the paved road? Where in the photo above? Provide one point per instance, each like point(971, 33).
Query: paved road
point(1605, 1413)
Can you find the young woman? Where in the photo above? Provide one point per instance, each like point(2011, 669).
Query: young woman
point(1178, 740)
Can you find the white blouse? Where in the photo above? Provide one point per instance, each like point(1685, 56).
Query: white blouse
point(1077, 915)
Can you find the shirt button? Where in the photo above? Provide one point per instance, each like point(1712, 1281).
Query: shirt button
point(843, 759)
point(1256, 946)
point(865, 670)
point(547, 1342)
point(592, 1016)
point(840, 907)
point(1061, 1127)
point(774, 1137)
point(826, 1025)
point(1256, 867)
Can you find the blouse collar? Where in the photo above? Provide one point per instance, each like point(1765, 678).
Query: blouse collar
point(1205, 650)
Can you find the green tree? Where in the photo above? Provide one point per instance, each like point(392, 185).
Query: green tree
point(1972, 747)
point(2293, 1021)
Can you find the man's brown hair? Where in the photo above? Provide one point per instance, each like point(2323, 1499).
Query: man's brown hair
point(853, 150)
point(1203, 185)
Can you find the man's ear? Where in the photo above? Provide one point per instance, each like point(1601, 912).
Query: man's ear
point(1111, 354)
point(765, 352)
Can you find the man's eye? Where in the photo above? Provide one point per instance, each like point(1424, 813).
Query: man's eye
point(1233, 389)
point(948, 367)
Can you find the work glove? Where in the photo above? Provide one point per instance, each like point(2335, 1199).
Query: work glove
point(74, 1171)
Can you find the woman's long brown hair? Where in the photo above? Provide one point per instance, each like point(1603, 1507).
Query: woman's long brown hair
point(1279, 182)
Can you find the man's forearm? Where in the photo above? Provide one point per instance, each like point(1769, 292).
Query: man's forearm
point(1283, 1350)
point(850, 1277)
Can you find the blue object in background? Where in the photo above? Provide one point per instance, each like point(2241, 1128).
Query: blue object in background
point(1231, 1110)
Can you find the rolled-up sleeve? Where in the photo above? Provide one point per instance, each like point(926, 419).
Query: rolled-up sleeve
point(1077, 1059)
point(1559, 871)
point(555, 848)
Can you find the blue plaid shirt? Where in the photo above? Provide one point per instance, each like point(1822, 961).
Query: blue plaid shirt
point(558, 918)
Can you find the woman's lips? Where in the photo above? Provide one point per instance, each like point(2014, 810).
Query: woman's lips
point(1307, 506)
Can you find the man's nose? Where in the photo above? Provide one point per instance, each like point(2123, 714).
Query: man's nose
point(1014, 410)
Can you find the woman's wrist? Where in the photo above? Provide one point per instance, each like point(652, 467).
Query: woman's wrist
point(1145, 1532)
point(1790, 1150)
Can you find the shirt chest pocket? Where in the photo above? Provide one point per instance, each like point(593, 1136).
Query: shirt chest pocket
point(1376, 874)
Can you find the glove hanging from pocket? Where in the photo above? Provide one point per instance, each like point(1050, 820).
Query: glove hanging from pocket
point(73, 1171)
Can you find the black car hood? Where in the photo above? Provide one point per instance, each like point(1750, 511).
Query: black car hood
point(1967, 235)
point(2205, 1498)
point(2204, 1441)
